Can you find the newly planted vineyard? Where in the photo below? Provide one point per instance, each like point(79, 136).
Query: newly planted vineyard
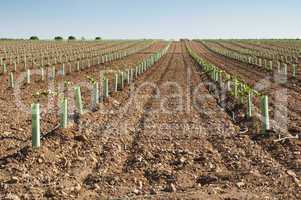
point(150, 119)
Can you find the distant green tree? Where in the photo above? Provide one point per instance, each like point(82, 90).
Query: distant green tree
point(34, 38)
point(98, 38)
point(71, 38)
point(58, 38)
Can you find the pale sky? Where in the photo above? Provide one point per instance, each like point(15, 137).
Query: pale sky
point(167, 19)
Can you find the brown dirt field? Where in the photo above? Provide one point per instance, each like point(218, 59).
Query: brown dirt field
point(172, 141)
point(16, 127)
point(253, 76)
point(233, 46)
point(287, 152)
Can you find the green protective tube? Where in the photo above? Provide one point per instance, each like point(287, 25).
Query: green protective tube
point(78, 101)
point(144, 64)
point(77, 67)
point(285, 69)
point(15, 67)
point(42, 74)
point(25, 64)
point(28, 76)
point(105, 88)
point(221, 82)
point(250, 105)
point(121, 80)
point(216, 75)
point(70, 68)
point(278, 66)
point(259, 62)
point(4, 68)
point(63, 70)
point(125, 77)
point(132, 75)
point(128, 77)
point(95, 95)
point(151, 61)
point(235, 88)
point(139, 69)
point(294, 70)
point(64, 113)
point(241, 99)
point(136, 71)
point(35, 125)
point(271, 65)
point(116, 83)
point(265, 113)
point(11, 80)
point(228, 85)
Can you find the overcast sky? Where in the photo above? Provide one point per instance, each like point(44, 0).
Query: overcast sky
point(168, 19)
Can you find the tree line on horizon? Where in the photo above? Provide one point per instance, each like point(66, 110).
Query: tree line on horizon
point(59, 38)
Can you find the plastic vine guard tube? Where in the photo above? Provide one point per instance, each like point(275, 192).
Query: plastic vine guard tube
point(35, 120)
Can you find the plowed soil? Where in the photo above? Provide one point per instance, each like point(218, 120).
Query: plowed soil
point(15, 121)
point(162, 137)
